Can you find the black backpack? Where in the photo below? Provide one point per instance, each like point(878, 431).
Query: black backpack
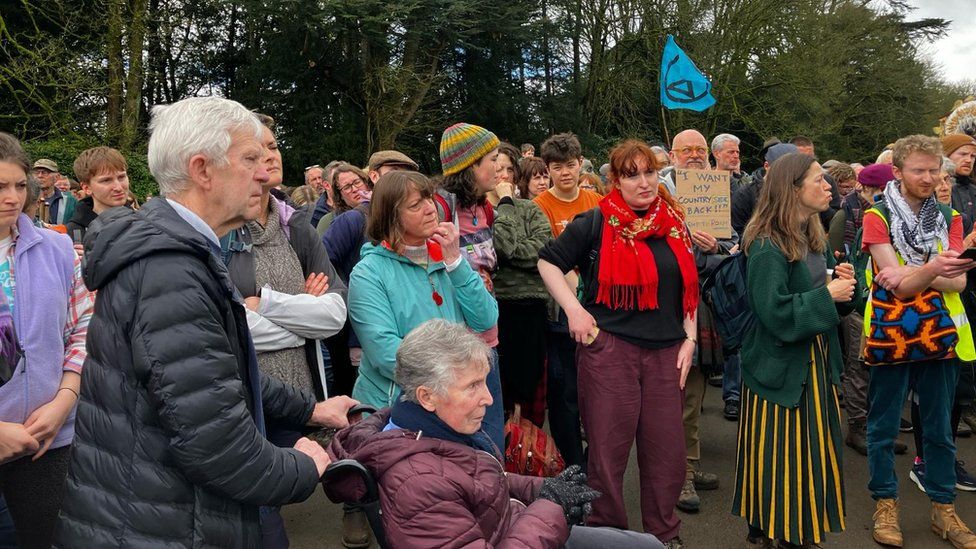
point(726, 293)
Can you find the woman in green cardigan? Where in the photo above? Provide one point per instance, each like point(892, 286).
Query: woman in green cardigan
point(789, 483)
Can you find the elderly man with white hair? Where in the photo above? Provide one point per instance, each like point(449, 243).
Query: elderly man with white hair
point(725, 150)
point(170, 447)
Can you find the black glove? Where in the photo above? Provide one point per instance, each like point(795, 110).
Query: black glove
point(569, 491)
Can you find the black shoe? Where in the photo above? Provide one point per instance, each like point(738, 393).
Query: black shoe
point(906, 426)
point(969, 416)
point(857, 438)
point(731, 411)
point(900, 447)
point(964, 431)
point(715, 380)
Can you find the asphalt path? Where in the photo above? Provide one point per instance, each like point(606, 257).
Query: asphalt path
point(316, 522)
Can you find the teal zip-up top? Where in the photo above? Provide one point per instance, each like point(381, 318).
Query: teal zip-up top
point(389, 295)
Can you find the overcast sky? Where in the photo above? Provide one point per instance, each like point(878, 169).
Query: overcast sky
point(956, 53)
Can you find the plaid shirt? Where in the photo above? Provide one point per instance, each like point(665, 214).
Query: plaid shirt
point(81, 304)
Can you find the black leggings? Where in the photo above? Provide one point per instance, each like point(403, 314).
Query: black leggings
point(34, 490)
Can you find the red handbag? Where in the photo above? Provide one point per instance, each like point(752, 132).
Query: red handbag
point(529, 450)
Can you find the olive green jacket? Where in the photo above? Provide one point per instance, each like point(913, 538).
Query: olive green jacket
point(790, 314)
point(519, 232)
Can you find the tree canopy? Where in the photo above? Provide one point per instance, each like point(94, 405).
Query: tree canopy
point(344, 78)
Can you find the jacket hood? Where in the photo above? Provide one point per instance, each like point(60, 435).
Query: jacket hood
point(84, 212)
point(379, 450)
point(121, 236)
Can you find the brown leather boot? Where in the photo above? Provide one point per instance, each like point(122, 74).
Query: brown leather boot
point(355, 530)
point(948, 526)
point(886, 529)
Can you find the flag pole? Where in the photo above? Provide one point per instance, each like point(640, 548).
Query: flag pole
point(664, 122)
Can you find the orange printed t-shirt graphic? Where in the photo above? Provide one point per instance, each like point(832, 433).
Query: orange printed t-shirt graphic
point(560, 213)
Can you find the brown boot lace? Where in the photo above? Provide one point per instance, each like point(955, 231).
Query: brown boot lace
point(886, 514)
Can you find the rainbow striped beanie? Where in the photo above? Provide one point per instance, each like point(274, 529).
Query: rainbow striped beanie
point(464, 144)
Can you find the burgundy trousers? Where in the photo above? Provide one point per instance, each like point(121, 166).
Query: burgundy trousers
point(627, 392)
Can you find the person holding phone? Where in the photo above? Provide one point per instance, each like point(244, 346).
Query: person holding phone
point(411, 271)
point(791, 363)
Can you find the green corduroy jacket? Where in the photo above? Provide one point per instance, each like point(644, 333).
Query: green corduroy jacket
point(790, 314)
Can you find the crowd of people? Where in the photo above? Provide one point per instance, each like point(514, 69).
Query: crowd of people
point(212, 350)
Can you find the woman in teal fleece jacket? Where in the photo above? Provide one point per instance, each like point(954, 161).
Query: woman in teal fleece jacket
point(411, 271)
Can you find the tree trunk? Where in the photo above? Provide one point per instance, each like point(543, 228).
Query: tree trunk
point(116, 74)
point(136, 76)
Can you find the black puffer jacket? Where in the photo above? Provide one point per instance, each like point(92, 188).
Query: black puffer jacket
point(167, 452)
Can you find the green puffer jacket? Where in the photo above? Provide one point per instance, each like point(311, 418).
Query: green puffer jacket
point(790, 314)
point(520, 231)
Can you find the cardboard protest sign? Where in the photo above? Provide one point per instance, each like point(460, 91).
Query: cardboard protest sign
point(706, 199)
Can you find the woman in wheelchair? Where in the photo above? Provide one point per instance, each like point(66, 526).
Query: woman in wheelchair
point(439, 477)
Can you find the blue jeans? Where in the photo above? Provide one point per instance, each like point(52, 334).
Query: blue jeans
point(731, 378)
point(8, 534)
point(935, 383)
point(494, 422)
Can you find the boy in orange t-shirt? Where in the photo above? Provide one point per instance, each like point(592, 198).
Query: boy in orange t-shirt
point(561, 203)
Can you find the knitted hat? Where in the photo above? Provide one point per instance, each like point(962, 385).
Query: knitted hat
point(778, 150)
point(951, 143)
point(876, 175)
point(464, 144)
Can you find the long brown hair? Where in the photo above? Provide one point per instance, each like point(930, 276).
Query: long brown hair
point(623, 163)
point(340, 205)
point(777, 215)
point(389, 195)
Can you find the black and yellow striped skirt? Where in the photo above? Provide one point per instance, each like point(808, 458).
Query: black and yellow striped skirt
point(789, 480)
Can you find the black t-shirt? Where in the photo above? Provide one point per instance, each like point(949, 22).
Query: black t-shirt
point(579, 246)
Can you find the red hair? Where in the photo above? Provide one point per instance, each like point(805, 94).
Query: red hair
point(623, 162)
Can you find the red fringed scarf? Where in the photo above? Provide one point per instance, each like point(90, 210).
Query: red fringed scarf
point(628, 274)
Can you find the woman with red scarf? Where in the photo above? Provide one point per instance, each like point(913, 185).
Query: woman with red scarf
point(635, 327)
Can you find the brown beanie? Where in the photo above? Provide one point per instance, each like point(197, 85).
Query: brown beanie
point(951, 143)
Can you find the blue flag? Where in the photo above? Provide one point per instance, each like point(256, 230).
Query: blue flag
point(683, 86)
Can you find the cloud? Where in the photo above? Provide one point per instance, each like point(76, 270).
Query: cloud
point(955, 54)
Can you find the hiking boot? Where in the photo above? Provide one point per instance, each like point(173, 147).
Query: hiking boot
point(964, 481)
point(689, 501)
point(715, 380)
point(857, 438)
point(355, 530)
point(706, 481)
point(917, 474)
point(731, 411)
point(886, 530)
point(947, 525)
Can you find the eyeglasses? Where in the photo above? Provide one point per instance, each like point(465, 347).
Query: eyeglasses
point(350, 186)
point(688, 150)
point(312, 167)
